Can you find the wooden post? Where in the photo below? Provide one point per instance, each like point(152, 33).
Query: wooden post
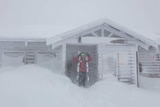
point(1, 58)
point(64, 58)
point(79, 39)
point(117, 70)
point(137, 70)
point(102, 32)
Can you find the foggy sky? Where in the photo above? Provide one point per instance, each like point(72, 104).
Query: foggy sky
point(138, 14)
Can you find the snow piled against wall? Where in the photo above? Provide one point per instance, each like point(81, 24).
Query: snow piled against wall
point(34, 86)
point(149, 83)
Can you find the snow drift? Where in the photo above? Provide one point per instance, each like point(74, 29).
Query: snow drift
point(33, 86)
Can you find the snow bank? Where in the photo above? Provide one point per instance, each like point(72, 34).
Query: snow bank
point(119, 94)
point(53, 64)
point(33, 86)
point(148, 83)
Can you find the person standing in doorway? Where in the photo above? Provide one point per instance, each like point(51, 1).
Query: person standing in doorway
point(82, 67)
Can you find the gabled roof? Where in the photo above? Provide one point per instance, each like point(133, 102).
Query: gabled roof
point(79, 30)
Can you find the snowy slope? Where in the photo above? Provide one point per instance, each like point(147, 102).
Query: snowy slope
point(33, 86)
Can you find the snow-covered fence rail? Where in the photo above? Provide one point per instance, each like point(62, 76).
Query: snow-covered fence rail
point(15, 53)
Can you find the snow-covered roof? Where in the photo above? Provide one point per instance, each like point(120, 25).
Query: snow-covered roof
point(55, 33)
point(23, 39)
point(75, 32)
point(31, 31)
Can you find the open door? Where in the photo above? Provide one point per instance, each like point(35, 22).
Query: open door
point(71, 67)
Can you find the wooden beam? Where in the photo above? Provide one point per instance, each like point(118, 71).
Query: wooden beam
point(119, 33)
point(94, 34)
point(110, 34)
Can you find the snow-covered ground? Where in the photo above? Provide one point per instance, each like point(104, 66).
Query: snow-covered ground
point(34, 86)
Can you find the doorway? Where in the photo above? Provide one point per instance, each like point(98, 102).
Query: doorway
point(72, 51)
